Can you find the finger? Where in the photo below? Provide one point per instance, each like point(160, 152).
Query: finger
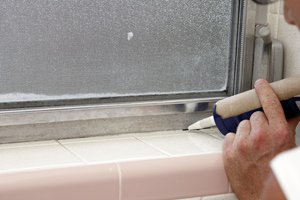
point(241, 142)
point(270, 102)
point(258, 120)
point(244, 128)
point(228, 141)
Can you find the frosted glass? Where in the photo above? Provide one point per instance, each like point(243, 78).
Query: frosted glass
point(64, 49)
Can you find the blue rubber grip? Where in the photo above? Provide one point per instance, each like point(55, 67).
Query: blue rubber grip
point(230, 124)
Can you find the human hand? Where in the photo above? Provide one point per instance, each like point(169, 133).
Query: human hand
point(246, 154)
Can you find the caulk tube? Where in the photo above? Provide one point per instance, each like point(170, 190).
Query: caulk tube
point(242, 105)
point(291, 108)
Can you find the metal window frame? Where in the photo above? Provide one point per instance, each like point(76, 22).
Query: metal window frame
point(91, 117)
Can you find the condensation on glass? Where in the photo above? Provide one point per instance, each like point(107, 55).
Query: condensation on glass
point(68, 49)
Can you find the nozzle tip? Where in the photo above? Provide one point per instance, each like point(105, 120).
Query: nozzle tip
point(195, 126)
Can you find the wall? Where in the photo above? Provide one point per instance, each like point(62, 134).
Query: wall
point(290, 37)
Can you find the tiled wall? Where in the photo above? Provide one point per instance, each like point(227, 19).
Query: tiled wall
point(289, 35)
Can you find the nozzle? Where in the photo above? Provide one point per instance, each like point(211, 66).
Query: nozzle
point(204, 123)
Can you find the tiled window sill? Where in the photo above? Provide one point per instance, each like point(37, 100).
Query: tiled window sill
point(108, 149)
point(123, 152)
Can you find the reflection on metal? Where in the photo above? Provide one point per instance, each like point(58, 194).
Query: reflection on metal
point(246, 40)
point(109, 111)
point(268, 56)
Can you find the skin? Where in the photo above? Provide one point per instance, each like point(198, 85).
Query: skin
point(273, 190)
point(292, 12)
point(247, 154)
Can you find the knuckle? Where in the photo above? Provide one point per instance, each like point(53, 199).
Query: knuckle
point(259, 136)
point(260, 139)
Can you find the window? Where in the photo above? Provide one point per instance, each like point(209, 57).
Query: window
point(117, 64)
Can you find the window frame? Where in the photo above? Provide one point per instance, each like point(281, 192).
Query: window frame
point(30, 119)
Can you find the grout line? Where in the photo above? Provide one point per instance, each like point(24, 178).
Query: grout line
point(73, 153)
point(154, 147)
point(215, 136)
point(98, 140)
point(156, 136)
point(120, 180)
point(28, 145)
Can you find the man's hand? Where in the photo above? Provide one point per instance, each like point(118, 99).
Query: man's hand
point(246, 154)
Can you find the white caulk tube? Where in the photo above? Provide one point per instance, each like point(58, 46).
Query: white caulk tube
point(230, 111)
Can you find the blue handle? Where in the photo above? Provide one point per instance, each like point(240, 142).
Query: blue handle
point(230, 124)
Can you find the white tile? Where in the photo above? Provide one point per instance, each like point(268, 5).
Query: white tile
point(98, 138)
point(221, 197)
point(190, 143)
point(290, 37)
point(273, 24)
point(28, 144)
point(274, 8)
point(214, 132)
point(37, 156)
point(196, 198)
point(113, 150)
point(206, 142)
point(160, 133)
point(281, 7)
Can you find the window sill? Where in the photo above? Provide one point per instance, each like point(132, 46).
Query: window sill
point(108, 149)
point(153, 158)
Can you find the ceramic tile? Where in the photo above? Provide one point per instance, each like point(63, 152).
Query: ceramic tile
point(214, 132)
point(98, 138)
point(189, 143)
point(196, 198)
point(28, 144)
point(274, 8)
point(176, 177)
point(290, 37)
point(90, 182)
point(160, 133)
point(36, 156)
point(273, 24)
point(281, 7)
point(113, 150)
point(221, 197)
